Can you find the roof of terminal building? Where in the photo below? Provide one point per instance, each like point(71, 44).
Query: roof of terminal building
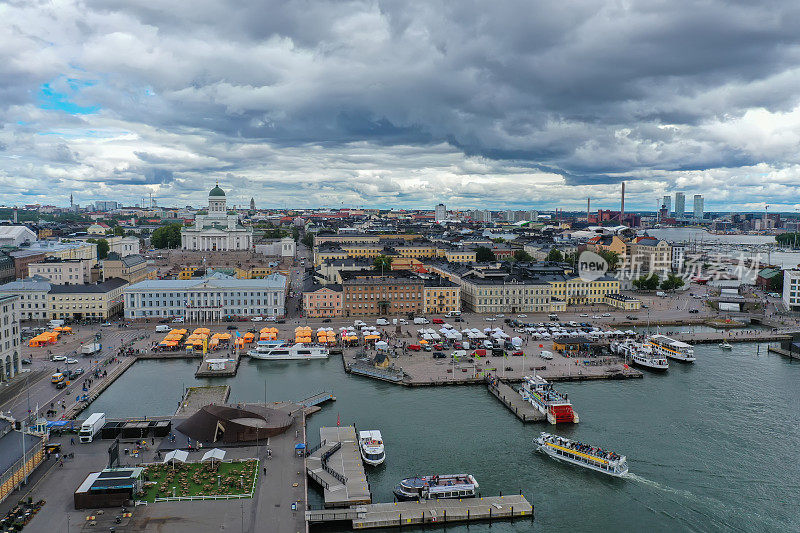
point(106, 286)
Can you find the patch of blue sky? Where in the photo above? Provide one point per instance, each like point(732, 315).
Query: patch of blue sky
point(62, 98)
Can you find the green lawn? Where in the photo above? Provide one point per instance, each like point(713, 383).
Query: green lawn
point(198, 479)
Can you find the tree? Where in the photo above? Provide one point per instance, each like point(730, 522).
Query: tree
point(672, 282)
point(522, 256)
point(382, 262)
point(308, 239)
point(295, 233)
point(102, 247)
point(612, 258)
point(484, 255)
point(167, 236)
point(119, 231)
point(646, 283)
point(555, 256)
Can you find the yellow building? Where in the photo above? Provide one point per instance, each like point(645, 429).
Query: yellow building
point(363, 251)
point(418, 251)
point(187, 272)
point(576, 291)
point(92, 300)
point(441, 296)
point(625, 303)
point(460, 256)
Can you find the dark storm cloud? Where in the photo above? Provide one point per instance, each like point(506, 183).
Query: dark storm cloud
point(269, 92)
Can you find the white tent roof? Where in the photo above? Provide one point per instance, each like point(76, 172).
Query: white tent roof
point(214, 454)
point(177, 455)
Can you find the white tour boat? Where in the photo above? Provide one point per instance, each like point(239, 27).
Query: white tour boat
point(577, 453)
point(680, 351)
point(371, 444)
point(551, 403)
point(437, 487)
point(641, 355)
point(281, 351)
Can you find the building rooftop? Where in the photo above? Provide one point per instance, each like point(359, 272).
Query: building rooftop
point(273, 281)
point(28, 284)
point(106, 286)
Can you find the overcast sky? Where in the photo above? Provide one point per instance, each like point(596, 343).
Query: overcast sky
point(401, 104)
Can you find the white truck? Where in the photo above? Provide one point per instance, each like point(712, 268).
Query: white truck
point(55, 323)
point(91, 349)
point(163, 328)
point(91, 426)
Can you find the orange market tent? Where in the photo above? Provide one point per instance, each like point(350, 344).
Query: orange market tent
point(423, 341)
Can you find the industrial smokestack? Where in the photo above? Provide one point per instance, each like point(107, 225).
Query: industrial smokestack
point(588, 208)
point(622, 206)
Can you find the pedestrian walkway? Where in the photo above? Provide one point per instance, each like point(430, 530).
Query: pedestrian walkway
point(337, 467)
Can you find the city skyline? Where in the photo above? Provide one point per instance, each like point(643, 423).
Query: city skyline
point(401, 108)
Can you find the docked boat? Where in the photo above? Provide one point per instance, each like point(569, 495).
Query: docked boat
point(546, 355)
point(725, 345)
point(680, 351)
point(577, 453)
point(282, 351)
point(371, 445)
point(554, 405)
point(641, 355)
point(437, 487)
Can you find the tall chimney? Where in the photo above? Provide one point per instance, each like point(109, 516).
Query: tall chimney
point(622, 206)
point(588, 208)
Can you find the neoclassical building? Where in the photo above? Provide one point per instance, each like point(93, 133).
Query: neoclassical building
point(216, 230)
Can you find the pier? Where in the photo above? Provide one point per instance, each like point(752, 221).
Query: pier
point(196, 397)
point(426, 512)
point(114, 372)
point(514, 401)
point(317, 399)
point(336, 466)
point(223, 367)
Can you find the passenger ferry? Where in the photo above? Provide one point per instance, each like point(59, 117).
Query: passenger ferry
point(437, 487)
point(371, 444)
point(680, 351)
point(547, 400)
point(282, 351)
point(577, 453)
point(641, 355)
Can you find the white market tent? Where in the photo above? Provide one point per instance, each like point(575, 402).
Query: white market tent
point(214, 454)
point(176, 455)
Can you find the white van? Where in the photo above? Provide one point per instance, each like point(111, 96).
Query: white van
point(381, 322)
point(401, 321)
point(163, 328)
point(459, 353)
point(421, 320)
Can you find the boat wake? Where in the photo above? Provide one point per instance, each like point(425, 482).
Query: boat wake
point(657, 485)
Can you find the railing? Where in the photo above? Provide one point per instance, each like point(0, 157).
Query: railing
point(327, 455)
point(318, 479)
point(315, 448)
point(340, 478)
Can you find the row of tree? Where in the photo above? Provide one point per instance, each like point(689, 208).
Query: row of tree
point(653, 282)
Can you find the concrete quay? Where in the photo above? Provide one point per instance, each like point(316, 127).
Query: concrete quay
point(336, 466)
point(196, 397)
point(514, 401)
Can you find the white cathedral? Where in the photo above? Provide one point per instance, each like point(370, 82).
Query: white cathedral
point(216, 230)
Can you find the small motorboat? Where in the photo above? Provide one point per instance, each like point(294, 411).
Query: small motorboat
point(725, 345)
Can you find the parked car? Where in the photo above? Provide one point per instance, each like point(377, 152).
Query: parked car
point(232, 327)
point(106, 325)
point(490, 319)
point(427, 347)
point(438, 355)
point(414, 347)
point(517, 353)
point(177, 320)
point(270, 319)
point(631, 317)
point(522, 316)
point(606, 314)
point(257, 319)
point(458, 319)
point(326, 320)
point(26, 361)
point(58, 358)
point(595, 317)
point(694, 310)
point(437, 321)
point(438, 346)
point(71, 361)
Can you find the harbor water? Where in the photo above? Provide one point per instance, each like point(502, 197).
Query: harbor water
point(711, 446)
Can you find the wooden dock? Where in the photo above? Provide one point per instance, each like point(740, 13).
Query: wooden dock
point(514, 401)
point(427, 512)
point(337, 467)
